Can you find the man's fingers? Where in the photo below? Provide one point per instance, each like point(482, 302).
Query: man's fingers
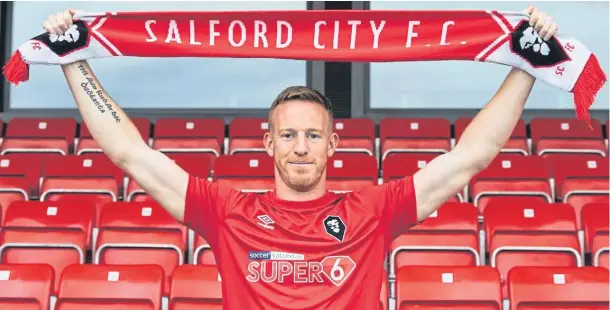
point(53, 24)
point(545, 29)
point(61, 23)
point(552, 31)
point(541, 21)
point(529, 9)
point(47, 26)
point(534, 17)
point(68, 18)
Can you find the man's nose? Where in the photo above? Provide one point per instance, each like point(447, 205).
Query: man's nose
point(301, 148)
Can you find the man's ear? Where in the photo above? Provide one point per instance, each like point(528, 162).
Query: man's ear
point(333, 143)
point(268, 142)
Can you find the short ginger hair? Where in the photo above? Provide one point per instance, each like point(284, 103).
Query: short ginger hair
point(302, 93)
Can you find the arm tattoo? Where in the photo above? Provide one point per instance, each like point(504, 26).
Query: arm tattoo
point(97, 95)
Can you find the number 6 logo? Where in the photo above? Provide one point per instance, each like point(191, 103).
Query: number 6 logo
point(338, 268)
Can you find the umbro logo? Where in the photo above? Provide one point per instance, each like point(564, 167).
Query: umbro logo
point(265, 221)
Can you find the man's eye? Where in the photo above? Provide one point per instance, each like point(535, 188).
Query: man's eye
point(287, 136)
point(314, 136)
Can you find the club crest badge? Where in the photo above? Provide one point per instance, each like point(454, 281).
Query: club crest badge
point(74, 38)
point(335, 227)
point(526, 43)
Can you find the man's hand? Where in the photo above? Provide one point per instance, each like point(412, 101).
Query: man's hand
point(59, 22)
point(542, 22)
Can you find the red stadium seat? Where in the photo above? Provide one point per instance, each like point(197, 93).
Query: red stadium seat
point(81, 177)
point(400, 165)
point(346, 172)
point(202, 253)
point(409, 135)
point(557, 135)
point(542, 288)
point(581, 179)
point(19, 178)
point(517, 143)
point(39, 135)
point(356, 135)
point(179, 135)
point(448, 287)
point(448, 237)
point(140, 233)
point(193, 163)
point(56, 233)
point(86, 143)
point(195, 288)
point(25, 287)
point(532, 235)
point(595, 225)
point(512, 176)
point(246, 134)
point(98, 287)
point(248, 172)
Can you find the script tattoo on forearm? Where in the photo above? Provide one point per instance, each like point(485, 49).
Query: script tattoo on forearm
point(97, 95)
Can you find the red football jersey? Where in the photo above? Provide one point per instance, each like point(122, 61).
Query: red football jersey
point(326, 253)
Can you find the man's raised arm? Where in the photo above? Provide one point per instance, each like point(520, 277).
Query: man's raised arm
point(483, 139)
point(120, 140)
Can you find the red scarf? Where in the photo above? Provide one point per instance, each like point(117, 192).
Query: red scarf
point(370, 36)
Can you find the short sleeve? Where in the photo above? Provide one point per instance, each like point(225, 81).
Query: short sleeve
point(206, 205)
point(395, 204)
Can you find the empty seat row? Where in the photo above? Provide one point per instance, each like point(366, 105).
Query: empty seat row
point(64, 233)
point(199, 287)
point(396, 135)
point(573, 179)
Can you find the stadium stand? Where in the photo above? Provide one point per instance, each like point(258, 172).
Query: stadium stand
point(534, 214)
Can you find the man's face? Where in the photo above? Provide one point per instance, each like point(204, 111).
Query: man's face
point(300, 142)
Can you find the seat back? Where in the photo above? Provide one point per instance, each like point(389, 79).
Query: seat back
point(82, 166)
point(400, 165)
point(195, 287)
point(552, 136)
point(246, 171)
point(595, 225)
point(142, 124)
point(63, 128)
point(119, 286)
point(414, 135)
point(350, 171)
point(509, 175)
point(196, 164)
point(558, 288)
point(563, 128)
point(246, 134)
point(25, 286)
point(460, 287)
point(26, 169)
point(357, 135)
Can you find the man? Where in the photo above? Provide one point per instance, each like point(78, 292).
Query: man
point(301, 246)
